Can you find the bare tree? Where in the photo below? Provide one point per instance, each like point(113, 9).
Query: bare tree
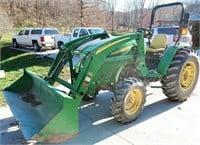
point(136, 13)
point(5, 23)
point(128, 16)
point(112, 6)
point(63, 14)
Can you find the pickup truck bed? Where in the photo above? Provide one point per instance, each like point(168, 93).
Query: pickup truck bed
point(76, 33)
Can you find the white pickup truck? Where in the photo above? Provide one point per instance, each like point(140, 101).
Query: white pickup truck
point(76, 33)
point(36, 37)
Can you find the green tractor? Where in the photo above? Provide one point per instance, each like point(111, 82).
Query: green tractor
point(121, 64)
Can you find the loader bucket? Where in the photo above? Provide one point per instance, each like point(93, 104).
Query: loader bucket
point(44, 113)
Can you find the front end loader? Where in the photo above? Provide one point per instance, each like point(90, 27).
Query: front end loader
point(48, 114)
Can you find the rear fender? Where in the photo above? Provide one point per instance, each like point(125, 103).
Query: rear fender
point(166, 59)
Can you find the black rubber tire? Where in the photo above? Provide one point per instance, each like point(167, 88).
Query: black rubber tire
point(36, 47)
point(53, 48)
point(60, 43)
point(182, 76)
point(14, 43)
point(121, 103)
point(127, 71)
point(88, 97)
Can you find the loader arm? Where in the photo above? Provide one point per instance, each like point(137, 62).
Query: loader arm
point(65, 55)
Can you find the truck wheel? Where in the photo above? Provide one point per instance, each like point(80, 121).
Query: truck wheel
point(182, 76)
point(88, 97)
point(36, 47)
point(53, 48)
point(59, 44)
point(128, 101)
point(14, 43)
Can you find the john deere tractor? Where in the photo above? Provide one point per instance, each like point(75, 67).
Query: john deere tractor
point(124, 65)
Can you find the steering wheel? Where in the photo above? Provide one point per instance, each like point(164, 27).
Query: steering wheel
point(147, 33)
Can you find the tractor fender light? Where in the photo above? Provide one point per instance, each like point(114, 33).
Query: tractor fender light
point(184, 31)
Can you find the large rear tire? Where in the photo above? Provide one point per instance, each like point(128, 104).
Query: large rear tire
point(128, 101)
point(182, 76)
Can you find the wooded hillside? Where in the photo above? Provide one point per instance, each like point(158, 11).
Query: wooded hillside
point(66, 14)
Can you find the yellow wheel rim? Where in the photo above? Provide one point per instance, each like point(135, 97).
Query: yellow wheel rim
point(188, 75)
point(133, 101)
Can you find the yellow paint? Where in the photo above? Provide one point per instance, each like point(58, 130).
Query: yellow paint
point(125, 49)
point(133, 101)
point(188, 75)
point(184, 31)
point(109, 45)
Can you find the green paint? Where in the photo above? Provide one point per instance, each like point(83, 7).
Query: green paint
point(166, 59)
point(63, 125)
point(55, 118)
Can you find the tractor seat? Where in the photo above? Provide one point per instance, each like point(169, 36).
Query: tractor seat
point(158, 43)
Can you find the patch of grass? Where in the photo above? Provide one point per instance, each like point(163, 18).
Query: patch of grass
point(13, 62)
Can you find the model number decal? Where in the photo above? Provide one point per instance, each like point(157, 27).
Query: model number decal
point(110, 44)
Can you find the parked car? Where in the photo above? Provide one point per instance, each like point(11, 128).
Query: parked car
point(76, 33)
point(172, 32)
point(36, 37)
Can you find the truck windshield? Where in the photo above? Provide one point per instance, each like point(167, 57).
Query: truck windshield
point(169, 31)
point(95, 31)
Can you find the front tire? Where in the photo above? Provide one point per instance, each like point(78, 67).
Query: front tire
point(36, 46)
point(14, 43)
point(182, 76)
point(128, 101)
point(128, 71)
point(60, 43)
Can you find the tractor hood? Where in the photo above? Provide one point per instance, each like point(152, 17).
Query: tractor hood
point(92, 46)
